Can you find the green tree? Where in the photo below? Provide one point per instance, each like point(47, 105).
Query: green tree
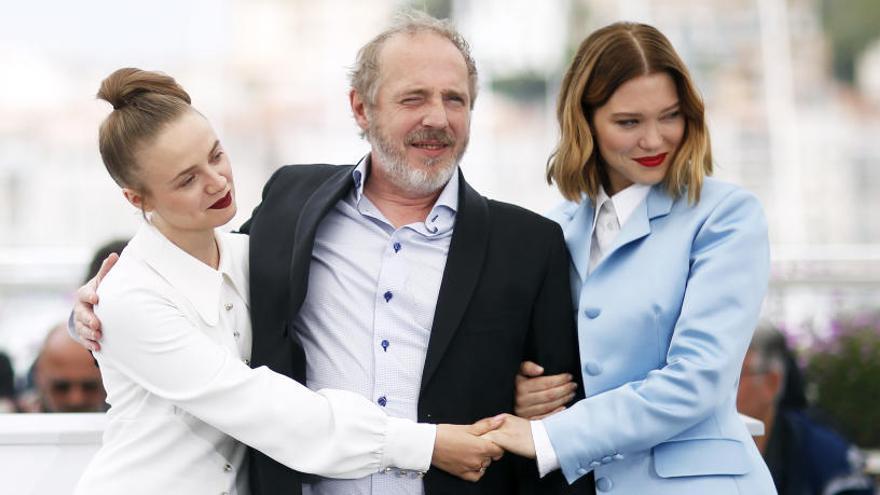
point(851, 25)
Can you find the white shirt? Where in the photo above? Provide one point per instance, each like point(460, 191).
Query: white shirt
point(176, 340)
point(366, 320)
point(623, 205)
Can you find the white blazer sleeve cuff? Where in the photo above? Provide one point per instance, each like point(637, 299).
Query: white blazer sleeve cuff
point(408, 445)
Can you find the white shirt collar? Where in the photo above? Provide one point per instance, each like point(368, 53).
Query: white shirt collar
point(625, 201)
point(199, 283)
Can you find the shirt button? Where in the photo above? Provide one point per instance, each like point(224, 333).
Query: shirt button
point(595, 464)
point(581, 471)
point(611, 225)
point(227, 306)
point(236, 334)
point(382, 401)
point(604, 484)
point(385, 345)
point(397, 247)
point(606, 459)
point(246, 361)
point(227, 467)
point(388, 295)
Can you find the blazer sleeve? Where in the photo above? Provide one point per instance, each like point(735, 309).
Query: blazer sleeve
point(331, 433)
point(729, 269)
point(553, 333)
point(552, 343)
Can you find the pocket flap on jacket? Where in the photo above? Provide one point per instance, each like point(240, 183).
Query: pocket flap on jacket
point(701, 457)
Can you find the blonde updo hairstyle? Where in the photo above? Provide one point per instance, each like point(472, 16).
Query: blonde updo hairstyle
point(144, 102)
point(608, 58)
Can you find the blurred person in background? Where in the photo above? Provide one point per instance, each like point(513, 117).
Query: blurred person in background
point(7, 385)
point(65, 377)
point(805, 457)
point(33, 397)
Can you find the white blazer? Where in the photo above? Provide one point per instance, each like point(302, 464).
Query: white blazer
point(180, 391)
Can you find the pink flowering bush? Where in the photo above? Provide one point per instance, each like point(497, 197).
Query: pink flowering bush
point(843, 369)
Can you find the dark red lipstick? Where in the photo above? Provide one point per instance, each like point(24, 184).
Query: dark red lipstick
point(651, 161)
point(223, 202)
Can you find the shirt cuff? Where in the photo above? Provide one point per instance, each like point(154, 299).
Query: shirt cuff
point(408, 445)
point(544, 453)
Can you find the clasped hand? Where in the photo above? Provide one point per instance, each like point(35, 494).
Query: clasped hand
point(463, 451)
point(537, 397)
point(467, 451)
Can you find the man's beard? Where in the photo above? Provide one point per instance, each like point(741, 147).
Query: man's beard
point(414, 180)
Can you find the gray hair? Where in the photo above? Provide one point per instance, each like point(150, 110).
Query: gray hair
point(769, 351)
point(365, 74)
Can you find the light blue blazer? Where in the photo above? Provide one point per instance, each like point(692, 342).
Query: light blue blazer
point(664, 322)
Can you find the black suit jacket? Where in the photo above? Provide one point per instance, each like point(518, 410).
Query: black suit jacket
point(504, 297)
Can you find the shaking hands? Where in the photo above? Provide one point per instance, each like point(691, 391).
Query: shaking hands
point(463, 450)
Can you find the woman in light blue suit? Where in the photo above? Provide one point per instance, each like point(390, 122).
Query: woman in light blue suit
point(669, 268)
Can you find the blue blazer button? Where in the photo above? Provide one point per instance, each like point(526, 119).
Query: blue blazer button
point(604, 484)
point(592, 368)
point(617, 457)
point(592, 312)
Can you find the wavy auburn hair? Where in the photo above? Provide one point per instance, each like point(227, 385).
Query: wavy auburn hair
point(604, 61)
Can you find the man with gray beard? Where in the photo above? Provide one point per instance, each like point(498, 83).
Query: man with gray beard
point(394, 279)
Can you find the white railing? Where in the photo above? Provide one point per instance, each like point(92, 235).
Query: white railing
point(45, 454)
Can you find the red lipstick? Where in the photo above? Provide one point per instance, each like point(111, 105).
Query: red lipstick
point(223, 202)
point(651, 161)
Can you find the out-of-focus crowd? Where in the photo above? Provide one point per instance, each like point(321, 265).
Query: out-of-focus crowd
point(64, 376)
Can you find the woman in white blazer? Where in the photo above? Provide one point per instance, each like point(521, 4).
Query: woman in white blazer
point(668, 270)
point(175, 352)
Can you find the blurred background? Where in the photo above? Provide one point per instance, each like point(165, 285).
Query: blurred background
point(792, 89)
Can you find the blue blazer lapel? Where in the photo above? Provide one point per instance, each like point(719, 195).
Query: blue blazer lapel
point(577, 236)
